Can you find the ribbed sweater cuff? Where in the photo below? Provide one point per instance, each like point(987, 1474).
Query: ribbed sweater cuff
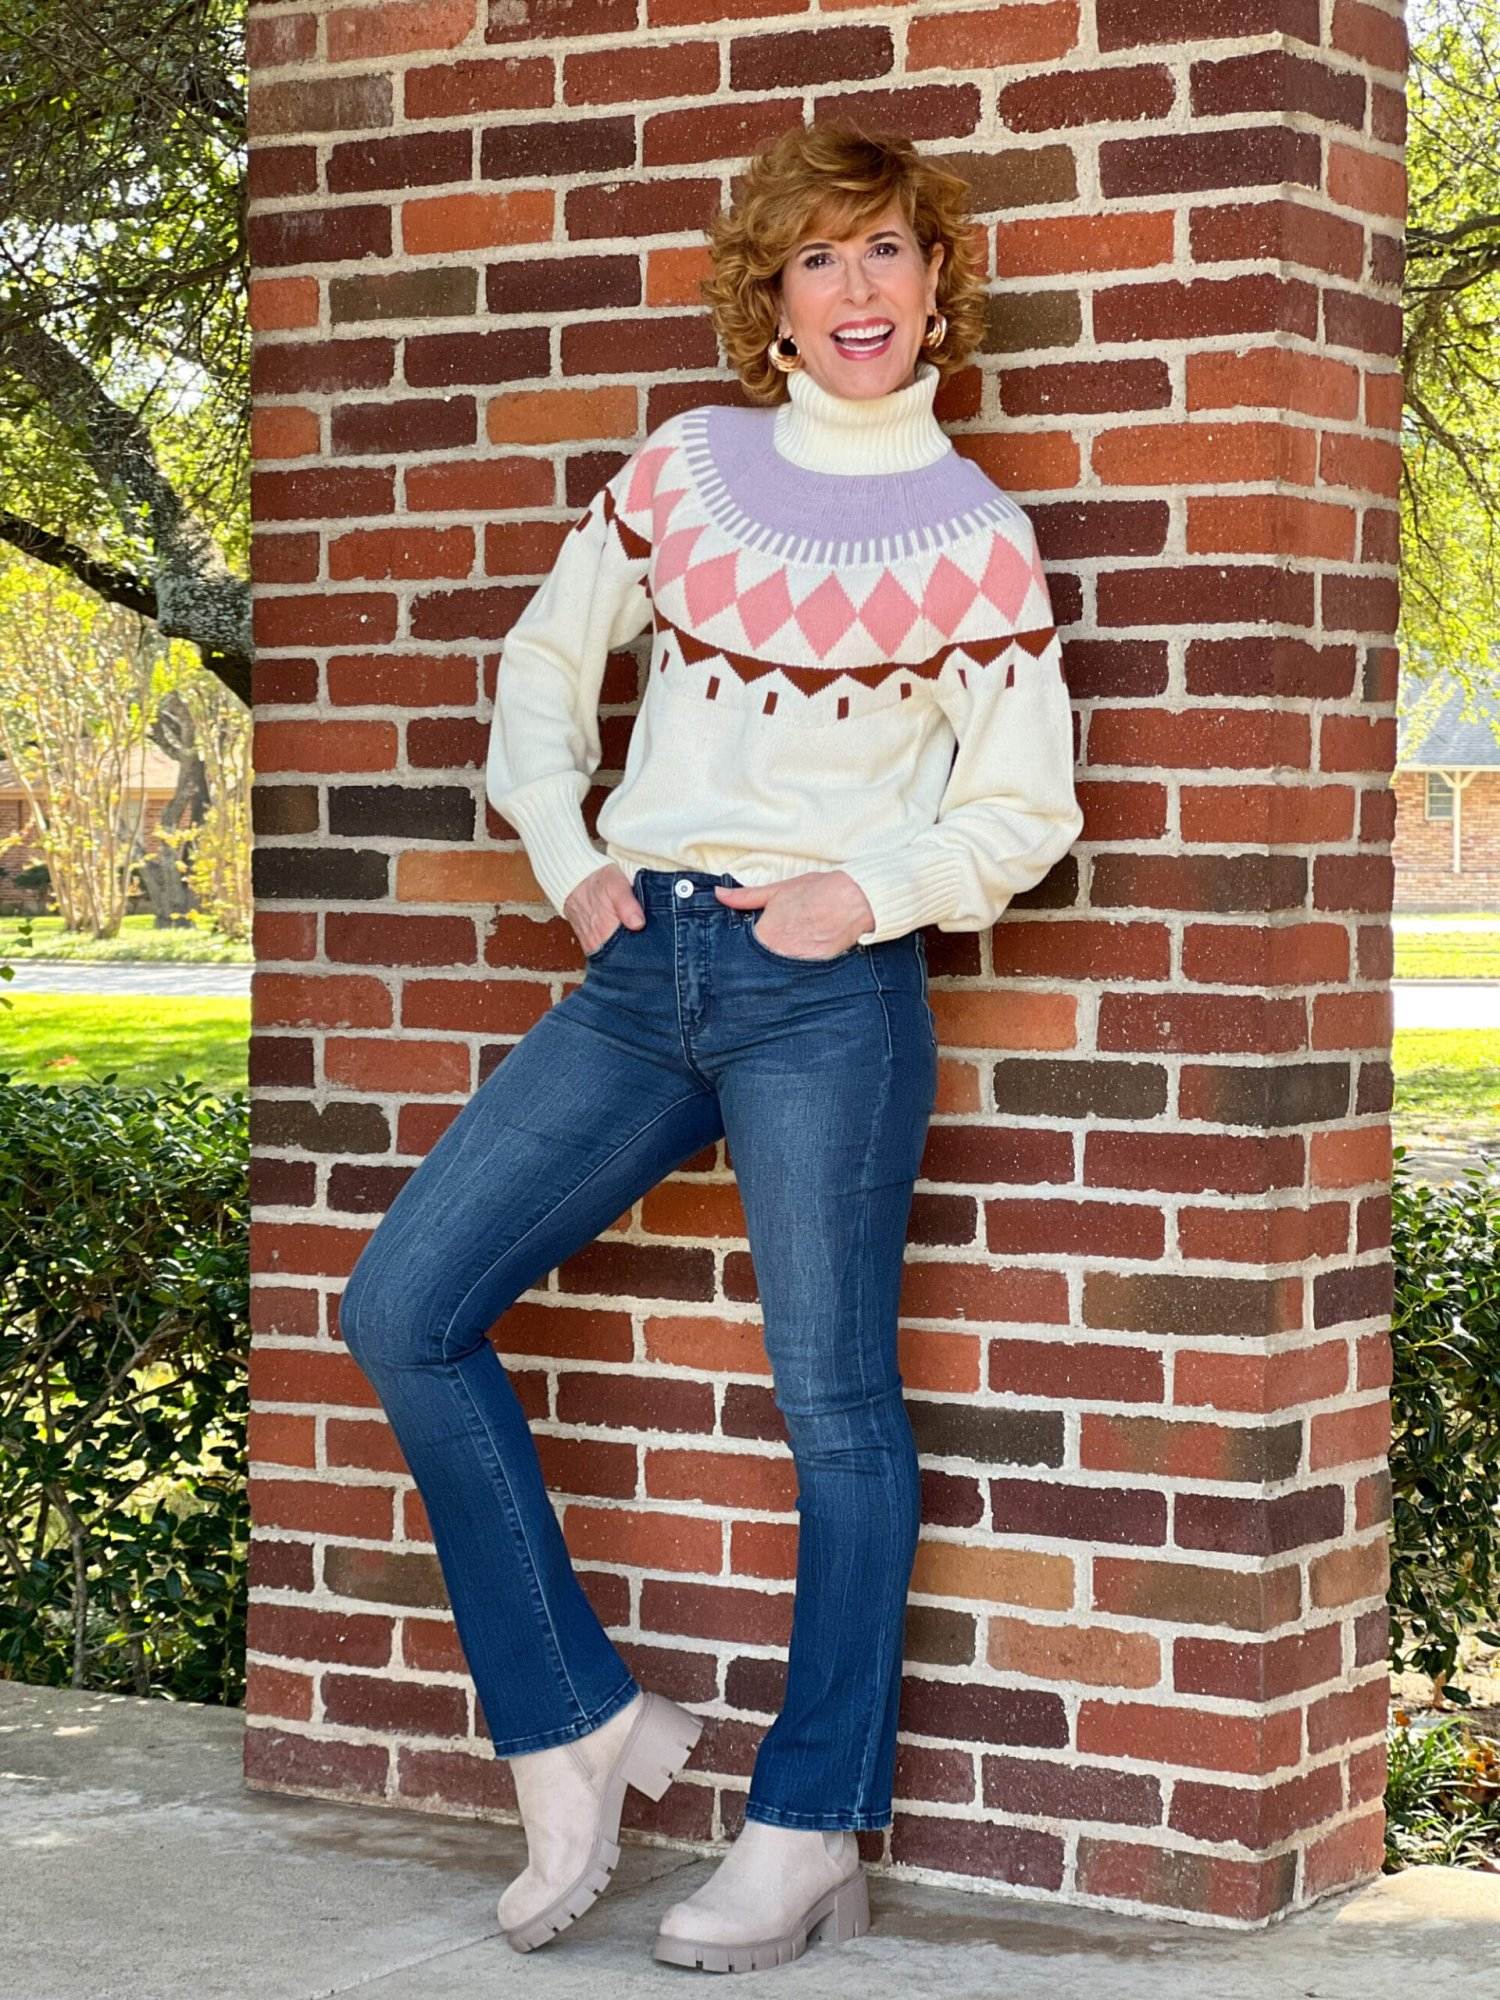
point(548, 816)
point(905, 890)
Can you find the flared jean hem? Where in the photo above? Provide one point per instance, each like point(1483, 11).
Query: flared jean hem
point(830, 1822)
point(519, 1746)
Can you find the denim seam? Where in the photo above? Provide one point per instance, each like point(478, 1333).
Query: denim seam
point(835, 1822)
point(520, 1746)
point(539, 1595)
point(509, 1251)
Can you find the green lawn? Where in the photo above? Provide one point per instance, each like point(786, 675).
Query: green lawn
point(1447, 1080)
point(1448, 954)
point(138, 943)
point(146, 1038)
point(1447, 1083)
point(1460, 946)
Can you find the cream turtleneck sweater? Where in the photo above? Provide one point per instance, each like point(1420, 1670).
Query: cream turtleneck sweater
point(853, 665)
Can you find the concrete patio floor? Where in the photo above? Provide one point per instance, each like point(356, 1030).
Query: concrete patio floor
point(136, 1865)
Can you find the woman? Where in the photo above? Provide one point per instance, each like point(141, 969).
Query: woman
point(855, 724)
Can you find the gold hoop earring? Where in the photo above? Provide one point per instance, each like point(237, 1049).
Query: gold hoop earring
point(936, 335)
point(779, 358)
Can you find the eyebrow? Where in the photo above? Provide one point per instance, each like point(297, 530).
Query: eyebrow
point(874, 236)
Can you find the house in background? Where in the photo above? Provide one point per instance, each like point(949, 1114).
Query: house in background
point(143, 806)
point(1447, 783)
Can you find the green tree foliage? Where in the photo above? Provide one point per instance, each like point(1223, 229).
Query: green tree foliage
point(124, 336)
point(1451, 490)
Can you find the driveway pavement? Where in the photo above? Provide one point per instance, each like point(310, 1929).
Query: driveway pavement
point(136, 1865)
point(63, 976)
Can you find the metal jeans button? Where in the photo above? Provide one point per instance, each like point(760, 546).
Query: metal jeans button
point(684, 886)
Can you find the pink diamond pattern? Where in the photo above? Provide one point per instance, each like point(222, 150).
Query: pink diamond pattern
point(642, 489)
point(888, 613)
point(709, 586)
point(765, 607)
point(1007, 577)
point(825, 615)
point(675, 552)
point(948, 595)
point(663, 507)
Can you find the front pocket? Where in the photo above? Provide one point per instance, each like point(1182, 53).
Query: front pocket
point(785, 958)
point(602, 950)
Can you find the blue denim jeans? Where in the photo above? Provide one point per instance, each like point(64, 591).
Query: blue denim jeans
point(820, 1074)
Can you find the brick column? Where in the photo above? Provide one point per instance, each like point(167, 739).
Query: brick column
point(1148, 1287)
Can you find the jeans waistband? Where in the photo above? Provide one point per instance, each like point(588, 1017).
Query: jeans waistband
point(657, 888)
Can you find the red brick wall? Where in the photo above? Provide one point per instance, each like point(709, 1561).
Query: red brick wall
point(1422, 849)
point(1146, 1311)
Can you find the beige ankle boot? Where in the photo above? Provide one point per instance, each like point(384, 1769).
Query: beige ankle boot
point(570, 1797)
point(776, 1888)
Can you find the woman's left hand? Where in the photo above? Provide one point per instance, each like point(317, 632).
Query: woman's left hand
point(816, 915)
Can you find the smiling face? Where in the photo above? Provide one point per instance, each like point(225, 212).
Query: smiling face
point(857, 306)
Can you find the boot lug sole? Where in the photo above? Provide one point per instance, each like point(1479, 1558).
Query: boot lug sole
point(840, 1914)
point(651, 1757)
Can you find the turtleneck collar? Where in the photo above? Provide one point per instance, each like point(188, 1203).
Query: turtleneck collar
point(896, 432)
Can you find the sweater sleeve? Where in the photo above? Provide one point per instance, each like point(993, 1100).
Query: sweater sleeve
point(1008, 810)
point(544, 733)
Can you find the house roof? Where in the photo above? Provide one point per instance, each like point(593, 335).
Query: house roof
point(160, 774)
point(1436, 733)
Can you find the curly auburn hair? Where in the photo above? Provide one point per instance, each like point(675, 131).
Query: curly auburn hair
point(833, 178)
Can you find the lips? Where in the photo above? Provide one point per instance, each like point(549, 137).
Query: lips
point(863, 342)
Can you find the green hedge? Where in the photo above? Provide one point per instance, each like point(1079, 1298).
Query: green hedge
point(123, 1363)
point(1445, 1397)
point(124, 1291)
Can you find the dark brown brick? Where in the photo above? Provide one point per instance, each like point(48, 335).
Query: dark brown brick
point(1051, 1509)
point(339, 1127)
point(542, 148)
point(405, 160)
point(1082, 95)
point(1044, 1087)
point(414, 423)
point(1016, 1854)
point(1022, 321)
point(318, 235)
point(402, 812)
point(1017, 177)
point(449, 360)
point(1278, 80)
point(1234, 1525)
point(938, 1637)
point(281, 809)
point(1179, 162)
point(1360, 1291)
point(1072, 528)
point(1173, 1302)
point(988, 1436)
point(1197, 308)
point(433, 292)
point(1047, 1790)
point(320, 874)
point(794, 60)
point(563, 284)
point(1265, 1095)
point(1128, 24)
point(1085, 388)
point(361, 1190)
point(556, 20)
point(965, 1712)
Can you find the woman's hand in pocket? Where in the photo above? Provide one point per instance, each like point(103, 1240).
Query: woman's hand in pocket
point(600, 904)
point(815, 915)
